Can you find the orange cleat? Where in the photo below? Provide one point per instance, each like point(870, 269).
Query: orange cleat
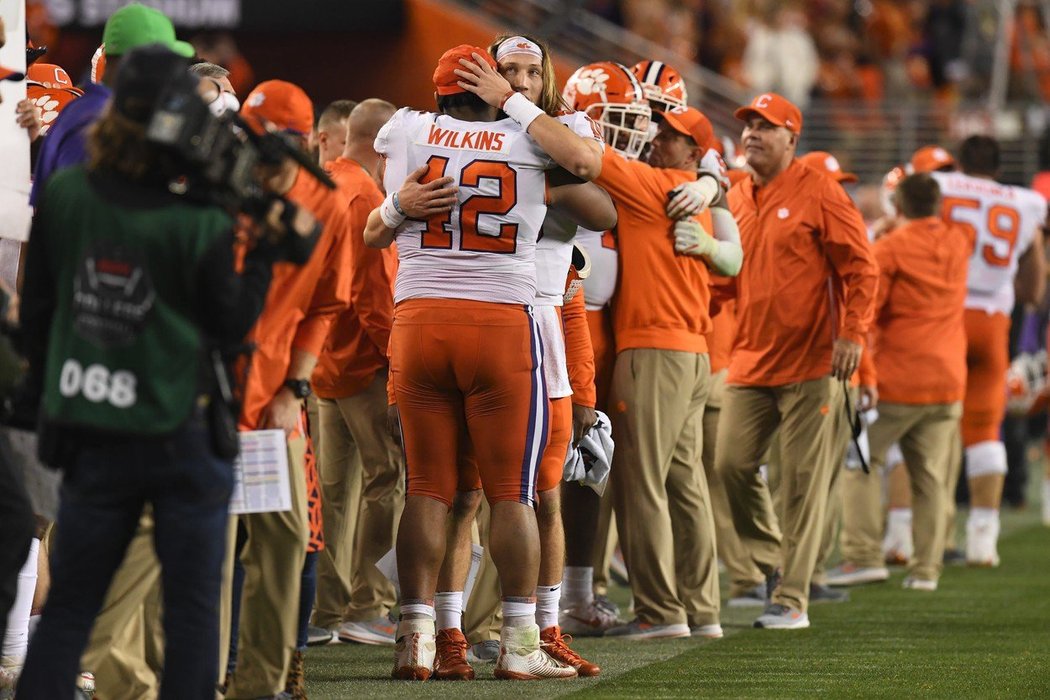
point(451, 663)
point(556, 645)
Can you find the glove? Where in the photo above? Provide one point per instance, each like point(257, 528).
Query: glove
point(691, 198)
point(690, 238)
point(713, 165)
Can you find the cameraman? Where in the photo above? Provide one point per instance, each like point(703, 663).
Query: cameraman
point(127, 288)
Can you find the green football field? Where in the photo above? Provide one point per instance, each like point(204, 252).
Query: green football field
point(983, 634)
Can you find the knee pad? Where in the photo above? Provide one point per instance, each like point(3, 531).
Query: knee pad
point(985, 458)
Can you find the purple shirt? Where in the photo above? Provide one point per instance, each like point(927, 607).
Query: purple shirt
point(63, 145)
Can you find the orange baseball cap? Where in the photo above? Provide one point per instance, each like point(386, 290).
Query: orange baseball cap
point(930, 158)
point(827, 163)
point(445, 79)
point(691, 122)
point(282, 104)
point(49, 75)
point(774, 109)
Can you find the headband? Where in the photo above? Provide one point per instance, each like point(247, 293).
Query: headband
point(518, 44)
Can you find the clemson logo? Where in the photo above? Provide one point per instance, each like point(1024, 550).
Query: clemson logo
point(591, 81)
point(256, 99)
point(831, 163)
point(49, 108)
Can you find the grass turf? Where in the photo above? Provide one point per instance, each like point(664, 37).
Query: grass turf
point(983, 633)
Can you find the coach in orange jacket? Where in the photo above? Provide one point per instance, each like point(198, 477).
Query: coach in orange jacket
point(288, 337)
point(920, 355)
point(804, 301)
point(361, 466)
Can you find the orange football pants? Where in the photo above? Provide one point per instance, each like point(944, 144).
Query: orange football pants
point(469, 370)
point(987, 359)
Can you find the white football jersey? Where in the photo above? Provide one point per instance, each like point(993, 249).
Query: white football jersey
point(600, 286)
point(1004, 220)
point(485, 248)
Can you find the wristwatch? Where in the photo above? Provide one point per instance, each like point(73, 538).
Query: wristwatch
point(300, 387)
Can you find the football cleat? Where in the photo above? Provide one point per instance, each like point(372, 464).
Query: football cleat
point(451, 662)
point(521, 659)
point(556, 645)
point(415, 650)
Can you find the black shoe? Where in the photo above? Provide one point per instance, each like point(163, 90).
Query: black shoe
point(954, 557)
point(819, 593)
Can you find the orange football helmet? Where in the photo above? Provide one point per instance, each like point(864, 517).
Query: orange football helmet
point(663, 85)
point(609, 94)
point(98, 64)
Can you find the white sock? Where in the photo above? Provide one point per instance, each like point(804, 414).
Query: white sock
point(578, 582)
point(984, 515)
point(449, 608)
point(518, 612)
point(417, 609)
point(900, 517)
point(16, 638)
point(548, 603)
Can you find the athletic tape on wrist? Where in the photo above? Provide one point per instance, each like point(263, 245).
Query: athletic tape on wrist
point(518, 108)
point(390, 212)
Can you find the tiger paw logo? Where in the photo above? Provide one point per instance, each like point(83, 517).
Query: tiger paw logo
point(49, 108)
point(591, 81)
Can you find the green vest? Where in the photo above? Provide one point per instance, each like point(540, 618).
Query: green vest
point(124, 352)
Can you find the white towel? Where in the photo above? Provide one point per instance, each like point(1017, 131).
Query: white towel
point(589, 462)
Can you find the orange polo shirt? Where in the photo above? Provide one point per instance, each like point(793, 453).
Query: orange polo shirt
point(920, 348)
point(808, 277)
point(302, 301)
point(662, 298)
point(720, 339)
point(356, 347)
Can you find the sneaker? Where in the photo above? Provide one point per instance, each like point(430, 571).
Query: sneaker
point(556, 645)
point(451, 663)
point(415, 650)
point(521, 659)
point(316, 636)
point(636, 629)
point(587, 620)
point(706, 631)
point(819, 593)
point(919, 584)
point(754, 598)
point(781, 617)
point(378, 631)
point(982, 538)
point(603, 602)
point(847, 574)
point(485, 652)
point(954, 557)
point(295, 685)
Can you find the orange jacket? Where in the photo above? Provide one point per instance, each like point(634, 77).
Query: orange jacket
point(662, 299)
point(357, 346)
point(920, 348)
point(579, 353)
point(302, 301)
point(808, 277)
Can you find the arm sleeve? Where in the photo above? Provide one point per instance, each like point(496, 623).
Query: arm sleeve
point(227, 303)
point(729, 255)
point(579, 353)
point(846, 245)
point(371, 294)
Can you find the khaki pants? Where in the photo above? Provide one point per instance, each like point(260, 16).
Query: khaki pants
point(273, 560)
point(955, 467)
point(663, 509)
point(833, 515)
point(604, 543)
point(743, 574)
point(924, 433)
point(126, 648)
point(362, 475)
point(804, 413)
point(484, 616)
